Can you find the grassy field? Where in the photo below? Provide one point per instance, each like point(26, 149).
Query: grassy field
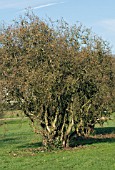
point(20, 149)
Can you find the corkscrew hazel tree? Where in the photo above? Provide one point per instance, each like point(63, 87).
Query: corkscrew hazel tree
point(60, 76)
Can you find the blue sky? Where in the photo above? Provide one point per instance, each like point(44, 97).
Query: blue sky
point(96, 14)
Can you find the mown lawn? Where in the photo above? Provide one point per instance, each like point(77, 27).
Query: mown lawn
point(20, 149)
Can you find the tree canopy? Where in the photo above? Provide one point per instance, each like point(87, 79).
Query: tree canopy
point(60, 76)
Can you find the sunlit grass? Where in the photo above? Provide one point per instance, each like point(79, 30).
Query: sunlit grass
point(20, 150)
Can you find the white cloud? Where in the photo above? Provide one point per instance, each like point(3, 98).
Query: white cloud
point(46, 5)
point(108, 25)
point(106, 29)
point(7, 5)
point(21, 4)
point(43, 6)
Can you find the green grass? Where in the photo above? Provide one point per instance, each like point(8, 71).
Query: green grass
point(20, 150)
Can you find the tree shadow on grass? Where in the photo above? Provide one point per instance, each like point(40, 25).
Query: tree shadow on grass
point(9, 141)
point(104, 130)
point(31, 145)
point(102, 135)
